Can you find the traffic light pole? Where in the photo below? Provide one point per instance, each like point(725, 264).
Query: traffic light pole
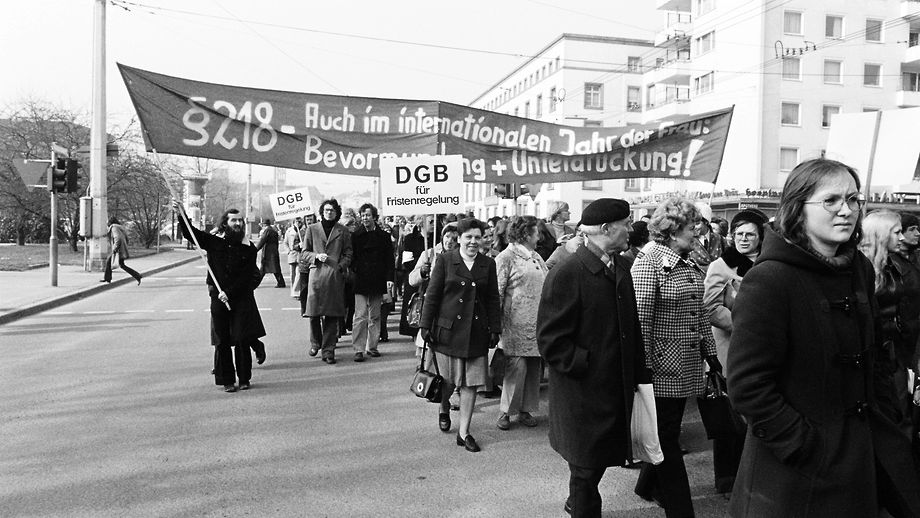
point(53, 240)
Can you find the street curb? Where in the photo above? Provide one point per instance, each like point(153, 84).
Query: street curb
point(45, 305)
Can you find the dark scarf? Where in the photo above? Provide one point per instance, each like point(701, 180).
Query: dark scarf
point(735, 259)
point(327, 226)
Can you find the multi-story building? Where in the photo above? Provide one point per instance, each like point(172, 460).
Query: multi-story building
point(576, 80)
point(787, 66)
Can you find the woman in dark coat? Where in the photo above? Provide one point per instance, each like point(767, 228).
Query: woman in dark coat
point(803, 365)
point(461, 318)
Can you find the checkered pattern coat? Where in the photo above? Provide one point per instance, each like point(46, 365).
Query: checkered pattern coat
point(675, 326)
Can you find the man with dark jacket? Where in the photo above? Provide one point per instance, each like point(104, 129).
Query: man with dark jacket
point(235, 322)
point(588, 332)
point(372, 263)
point(271, 260)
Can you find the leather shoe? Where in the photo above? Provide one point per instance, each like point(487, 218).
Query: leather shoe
point(313, 351)
point(633, 464)
point(504, 423)
point(567, 507)
point(444, 422)
point(229, 388)
point(373, 354)
point(359, 357)
point(330, 361)
point(244, 385)
point(469, 443)
point(527, 420)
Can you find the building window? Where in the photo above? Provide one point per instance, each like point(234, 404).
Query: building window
point(539, 106)
point(634, 64)
point(704, 6)
point(788, 158)
point(833, 27)
point(833, 72)
point(873, 30)
point(515, 111)
point(593, 123)
point(631, 184)
point(704, 83)
point(826, 112)
point(913, 39)
point(867, 109)
point(592, 185)
point(792, 22)
point(705, 43)
point(594, 96)
point(792, 68)
point(872, 74)
point(552, 99)
point(910, 81)
point(790, 114)
point(527, 110)
point(633, 99)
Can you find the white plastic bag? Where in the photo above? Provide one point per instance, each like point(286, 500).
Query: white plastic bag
point(643, 426)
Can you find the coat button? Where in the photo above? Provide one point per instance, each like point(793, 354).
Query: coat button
point(458, 317)
point(461, 300)
point(760, 433)
point(472, 284)
point(462, 283)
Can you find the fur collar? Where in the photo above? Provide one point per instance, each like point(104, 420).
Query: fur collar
point(735, 259)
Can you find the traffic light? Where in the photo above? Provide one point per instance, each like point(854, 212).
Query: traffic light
point(71, 176)
point(58, 180)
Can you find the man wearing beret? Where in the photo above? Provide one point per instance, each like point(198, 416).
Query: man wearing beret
point(588, 332)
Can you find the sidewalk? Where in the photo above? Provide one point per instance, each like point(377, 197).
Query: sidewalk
point(28, 292)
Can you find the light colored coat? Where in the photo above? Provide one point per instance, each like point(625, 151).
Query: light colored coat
point(292, 243)
point(118, 237)
point(521, 273)
point(326, 288)
point(719, 292)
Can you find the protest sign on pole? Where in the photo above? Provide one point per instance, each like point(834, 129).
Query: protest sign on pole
point(291, 204)
point(421, 185)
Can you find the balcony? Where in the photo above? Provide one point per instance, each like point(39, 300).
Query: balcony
point(907, 98)
point(912, 53)
point(674, 71)
point(676, 31)
point(910, 9)
point(673, 5)
point(666, 100)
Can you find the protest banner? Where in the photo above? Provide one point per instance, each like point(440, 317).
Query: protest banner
point(350, 135)
point(421, 185)
point(291, 204)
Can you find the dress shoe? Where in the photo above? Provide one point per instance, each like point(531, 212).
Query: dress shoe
point(384, 339)
point(313, 351)
point(139, 280)
point(527, 420)
point(567, 507)
point(504, 423)
point(633, 464)
point(229, 388)
point(469, 443)
point(244, 385)
point(103, 280)
point(330, 361)
point(374, 354)
point(359, 357)
point(444, 422)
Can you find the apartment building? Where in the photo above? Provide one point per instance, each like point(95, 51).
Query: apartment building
point(576, 80)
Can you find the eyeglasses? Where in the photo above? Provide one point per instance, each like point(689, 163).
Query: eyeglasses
point(834, 203)
point(746, 235)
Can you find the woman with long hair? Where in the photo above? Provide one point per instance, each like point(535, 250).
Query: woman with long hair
point(821, 441)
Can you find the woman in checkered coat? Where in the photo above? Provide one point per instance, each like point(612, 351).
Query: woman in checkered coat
point(677, 336)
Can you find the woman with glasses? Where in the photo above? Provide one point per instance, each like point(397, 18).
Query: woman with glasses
point(802, 365)
point(896, 290)
point(723, 279)
point(677, 337)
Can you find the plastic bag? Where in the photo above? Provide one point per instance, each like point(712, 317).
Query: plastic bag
point(643, 426)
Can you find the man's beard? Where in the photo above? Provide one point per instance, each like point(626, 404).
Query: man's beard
point(234, 234)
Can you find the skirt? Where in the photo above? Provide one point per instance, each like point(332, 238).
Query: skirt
point(463, 372)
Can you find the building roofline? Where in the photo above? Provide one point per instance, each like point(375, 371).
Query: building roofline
point(573, 37)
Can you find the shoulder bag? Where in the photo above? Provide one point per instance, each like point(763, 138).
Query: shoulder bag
point(719, 418)
point(427, 385)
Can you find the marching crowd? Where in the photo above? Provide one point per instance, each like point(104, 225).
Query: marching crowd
point(813, 316)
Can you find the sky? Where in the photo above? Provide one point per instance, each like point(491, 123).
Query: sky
point(412, 49)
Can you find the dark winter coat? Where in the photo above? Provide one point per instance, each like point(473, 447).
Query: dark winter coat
point(462, 306)
point(234, 265)
point(372, 260)
point(588, 332)
point(803, 374)
point(268, 245)
point(899, 307)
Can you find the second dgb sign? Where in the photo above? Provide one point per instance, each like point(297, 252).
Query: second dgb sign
point(421, 185)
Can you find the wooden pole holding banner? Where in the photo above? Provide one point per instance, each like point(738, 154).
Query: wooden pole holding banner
point(184, 216)
point(878, 123)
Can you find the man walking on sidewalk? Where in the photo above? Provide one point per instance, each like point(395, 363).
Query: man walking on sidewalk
point(118, 239)
point(234, 329)
point(373, 266)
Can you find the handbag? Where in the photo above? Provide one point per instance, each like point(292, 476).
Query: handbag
point(643, 426)
point(719, 418)
point(425, 384)
point(414, 313)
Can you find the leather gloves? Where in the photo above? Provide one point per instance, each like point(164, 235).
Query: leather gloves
point(493, 340)
point(426, 334)
point(714, 364)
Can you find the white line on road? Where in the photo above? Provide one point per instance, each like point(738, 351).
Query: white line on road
point(139, 311)
point(59, 313)
point(290, 309)
point(98, 312)
point(179, 310)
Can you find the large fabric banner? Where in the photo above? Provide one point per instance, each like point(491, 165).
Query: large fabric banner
point(349, 135)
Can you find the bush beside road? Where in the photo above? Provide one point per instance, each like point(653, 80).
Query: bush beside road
point(20, 258)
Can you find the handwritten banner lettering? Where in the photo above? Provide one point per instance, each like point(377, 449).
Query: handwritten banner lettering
point(351, 135)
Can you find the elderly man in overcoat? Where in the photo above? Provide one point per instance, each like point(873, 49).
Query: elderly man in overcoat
point(327, 251)
point(589, 334)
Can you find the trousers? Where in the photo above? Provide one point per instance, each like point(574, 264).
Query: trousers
point(365, 332)
point(521, 386)
point(584, 498)
point(324, 333)
point(668, 479)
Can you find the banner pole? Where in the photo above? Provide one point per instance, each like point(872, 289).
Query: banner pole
point(184, 216)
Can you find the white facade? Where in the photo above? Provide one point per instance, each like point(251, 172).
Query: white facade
point(787, 68)
point(576, 80)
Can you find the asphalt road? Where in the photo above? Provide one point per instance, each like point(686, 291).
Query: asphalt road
point(108, 408)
